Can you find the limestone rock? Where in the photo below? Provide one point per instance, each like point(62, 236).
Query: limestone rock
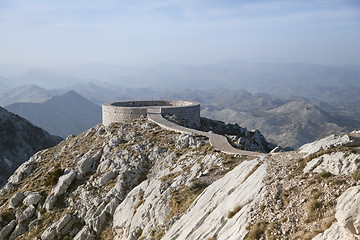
point(325, 143)
point(63, 226)
point(7, 230)
point(88, 161)
point(63, 182)
point(19, 229)
point(16, 200)
point(32, 199)
point(84, 234)
point(185, 140)
point(206, 216)
point(107, 177)
point(348, 210)
point(335, 232)
point(49, 202)
point(27, 213)
point(59, 228)
point(337, 163)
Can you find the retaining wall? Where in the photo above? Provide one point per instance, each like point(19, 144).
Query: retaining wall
point(122, 111)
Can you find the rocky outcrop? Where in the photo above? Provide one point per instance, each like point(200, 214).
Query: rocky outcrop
point(347, 215)
point(326, 143)
point(337, 163)
point(135, 180)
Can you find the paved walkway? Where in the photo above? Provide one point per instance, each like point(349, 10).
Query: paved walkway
point(219, 142)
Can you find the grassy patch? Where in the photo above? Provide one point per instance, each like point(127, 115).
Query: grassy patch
point(251, 172)
point(52, 176)
point(234, 211)
point(157, 234)
point(140, 201)
point(325, 174)
point(182, 198)
point(356, 175)
point(260, 229)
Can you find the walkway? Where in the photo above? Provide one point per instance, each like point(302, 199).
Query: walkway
point(217, 141)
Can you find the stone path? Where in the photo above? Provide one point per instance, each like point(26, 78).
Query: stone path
point(219, 142)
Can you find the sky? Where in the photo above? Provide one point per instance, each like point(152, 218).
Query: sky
point(147, 32)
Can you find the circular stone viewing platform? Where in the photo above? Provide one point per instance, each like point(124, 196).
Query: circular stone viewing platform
point(122, 111)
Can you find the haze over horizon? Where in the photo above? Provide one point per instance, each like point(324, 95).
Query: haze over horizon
point(42, 33)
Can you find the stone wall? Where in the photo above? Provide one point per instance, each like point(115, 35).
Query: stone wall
point(122, 111)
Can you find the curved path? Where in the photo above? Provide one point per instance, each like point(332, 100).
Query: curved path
point(217, 141)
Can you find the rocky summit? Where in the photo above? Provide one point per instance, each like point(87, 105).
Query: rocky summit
point(134, 180)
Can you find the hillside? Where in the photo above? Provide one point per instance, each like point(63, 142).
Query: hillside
point(24, 93)
point(19, 141)
point(61, 115)
point(134, 180)
point(291, 124)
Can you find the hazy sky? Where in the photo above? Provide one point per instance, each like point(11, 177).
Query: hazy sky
point(134, 32)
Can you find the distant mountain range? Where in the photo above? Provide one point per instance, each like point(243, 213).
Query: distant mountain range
point(61, 115)
point(281, 79)
point(19, 140)
point(290, 121)
point(24, 93)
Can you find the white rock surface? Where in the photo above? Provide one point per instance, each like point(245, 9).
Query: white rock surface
point(59, 228)
point(87, 162)
point(348, 210)
point(84, 234)
point(63, 182)
point(325, 143)
point(337, 163)
point(32, 199)
point(335, 232)
point(347, 214)
point(207, 216)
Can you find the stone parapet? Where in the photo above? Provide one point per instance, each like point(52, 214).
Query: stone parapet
point(122, 111)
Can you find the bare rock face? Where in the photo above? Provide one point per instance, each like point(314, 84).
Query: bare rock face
point(337, 163)
point(207, 216)
point(347, 215)
point(325, 143)
point(348, 210)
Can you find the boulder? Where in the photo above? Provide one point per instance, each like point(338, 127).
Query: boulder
point(49, 202)
point(32, 199)
point(88, 162)
point(63, 182)
point(19, 229)
point(27, 213)
point(59, 228)
point(7, 230)
point(16, 200)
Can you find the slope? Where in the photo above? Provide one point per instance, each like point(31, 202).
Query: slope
point(133, 180)
point(24, 93)
point(19, 140)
